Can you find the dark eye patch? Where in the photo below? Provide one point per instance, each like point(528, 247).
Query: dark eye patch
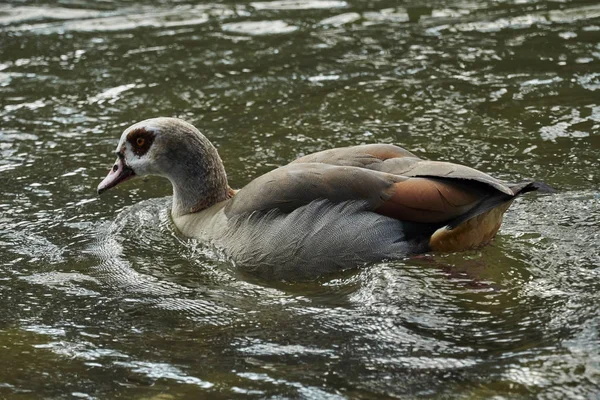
point(140, 140)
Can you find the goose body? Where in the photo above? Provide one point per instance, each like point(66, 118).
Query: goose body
point(323, 212)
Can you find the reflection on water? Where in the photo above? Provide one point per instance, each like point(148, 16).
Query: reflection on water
point(102, 299)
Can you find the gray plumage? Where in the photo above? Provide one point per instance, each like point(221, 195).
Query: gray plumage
point(317, 238)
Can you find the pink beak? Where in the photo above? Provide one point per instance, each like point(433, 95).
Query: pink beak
point(120, 172)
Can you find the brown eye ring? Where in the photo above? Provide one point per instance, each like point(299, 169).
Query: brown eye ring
point(140, 141)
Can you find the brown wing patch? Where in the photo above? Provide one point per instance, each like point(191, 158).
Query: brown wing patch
point(429, 200)
point(140, 140)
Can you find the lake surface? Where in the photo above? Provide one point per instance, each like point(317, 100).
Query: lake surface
point(100, 298)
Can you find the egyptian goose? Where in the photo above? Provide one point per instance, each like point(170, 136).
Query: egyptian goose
point(323, 212)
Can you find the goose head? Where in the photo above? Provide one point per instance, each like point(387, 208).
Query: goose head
point(176, 150)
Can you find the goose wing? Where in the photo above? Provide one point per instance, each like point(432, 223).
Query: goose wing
point(414, 199)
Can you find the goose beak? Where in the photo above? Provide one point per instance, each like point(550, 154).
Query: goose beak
point(120, 172)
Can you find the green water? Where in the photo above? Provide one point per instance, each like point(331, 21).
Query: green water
point(99, 297)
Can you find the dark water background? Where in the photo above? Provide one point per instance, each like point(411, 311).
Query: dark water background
point(99, 298)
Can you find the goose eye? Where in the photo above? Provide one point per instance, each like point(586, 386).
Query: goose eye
point(139, 141)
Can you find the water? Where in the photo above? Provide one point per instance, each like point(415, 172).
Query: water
point(100, 298)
